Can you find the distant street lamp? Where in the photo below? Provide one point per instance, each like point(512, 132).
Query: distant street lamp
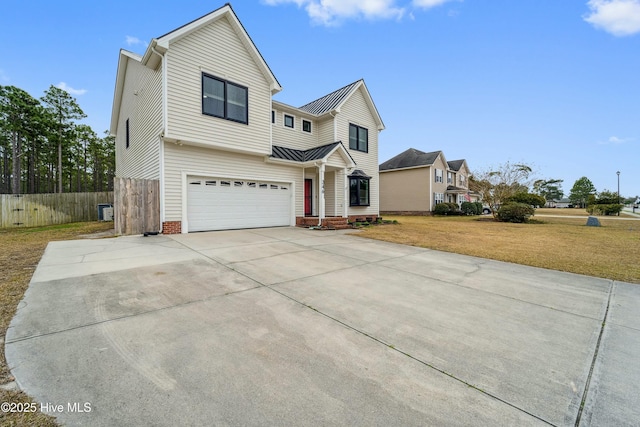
point(618, 173)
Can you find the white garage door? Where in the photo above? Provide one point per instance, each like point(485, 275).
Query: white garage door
point(221, 203)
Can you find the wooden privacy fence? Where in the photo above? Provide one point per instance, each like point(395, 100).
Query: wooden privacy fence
point(35, 210)
point(136, 205)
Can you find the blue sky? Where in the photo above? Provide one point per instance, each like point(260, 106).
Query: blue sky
point(551, 83)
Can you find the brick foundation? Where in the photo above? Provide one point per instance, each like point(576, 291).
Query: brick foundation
point(172, 227)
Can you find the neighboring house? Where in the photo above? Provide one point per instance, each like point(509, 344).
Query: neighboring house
point(414, 182)
point(561, 203)
point(196, 113)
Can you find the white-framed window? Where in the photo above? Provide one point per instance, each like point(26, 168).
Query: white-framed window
point(449, 178)
point(438, 197)
point(306, 126)
point(439, 175)
point(463, 181)
point(289, 121)
point(461, 199)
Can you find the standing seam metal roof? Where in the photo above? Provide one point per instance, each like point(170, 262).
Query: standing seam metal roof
point(315, 153)
point(329, 102)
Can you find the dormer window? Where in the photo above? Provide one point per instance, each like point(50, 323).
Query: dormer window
point(224, 99)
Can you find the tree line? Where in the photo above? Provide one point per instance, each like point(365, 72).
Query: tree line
point(43, 148)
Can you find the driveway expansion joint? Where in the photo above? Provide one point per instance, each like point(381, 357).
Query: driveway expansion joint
point(595, 356)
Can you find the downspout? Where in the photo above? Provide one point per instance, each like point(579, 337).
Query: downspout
point(165, 131)
point(335, 126)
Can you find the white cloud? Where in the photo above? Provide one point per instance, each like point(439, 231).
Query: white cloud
point(427, 4)
point(69, 89)
point(614, 140)
point(618, 17)
point(132, 41)
point(333, 12)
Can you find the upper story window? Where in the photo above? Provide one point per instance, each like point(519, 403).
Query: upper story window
point(306, 126)
point(288, 121)
point(358, 138)
point(224, 99)
point(449, 178)
point(273, 116)
point(462, 181)
point(438, 175)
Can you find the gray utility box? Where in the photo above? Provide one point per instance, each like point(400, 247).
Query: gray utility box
point(102, 214)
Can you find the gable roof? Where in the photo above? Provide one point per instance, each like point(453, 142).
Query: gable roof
point(331, 101)
point(411, 158)
point(336, 99)
point(159, 46)
point(315, 153)
point(455, 165)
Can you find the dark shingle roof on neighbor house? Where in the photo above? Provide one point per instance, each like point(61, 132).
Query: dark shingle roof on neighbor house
point(409, 159)
point(455, 165)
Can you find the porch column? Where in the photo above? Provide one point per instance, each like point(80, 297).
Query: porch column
point(321, 204)
point(346, 193)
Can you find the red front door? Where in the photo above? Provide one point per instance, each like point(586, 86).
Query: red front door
point(308, 186)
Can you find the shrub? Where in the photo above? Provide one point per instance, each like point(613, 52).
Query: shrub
point(478, 207)
point(470, 208)
point(442, 209)
point(514, 212)
point(609, 209)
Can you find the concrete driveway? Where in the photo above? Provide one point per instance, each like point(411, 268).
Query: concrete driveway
point(288, 326)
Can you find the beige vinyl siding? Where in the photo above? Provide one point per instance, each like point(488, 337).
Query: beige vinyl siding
point(296, 137)
point(142, 105)
point(356, 111)
point(325, 132)
point(199, 161)
point(216, 50)
point(405, 190)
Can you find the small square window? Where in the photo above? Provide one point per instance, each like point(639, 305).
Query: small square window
point(288, 121)
point(212, 183)
point(225, 183)
point(306, 125)
point(274, 187)
point(263, 186)
point(238, 183)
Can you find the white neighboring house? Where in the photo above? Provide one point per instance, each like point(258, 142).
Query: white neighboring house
point(196, 113)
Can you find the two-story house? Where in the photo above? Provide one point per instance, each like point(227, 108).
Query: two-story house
point(413, 182)
point(196, 113)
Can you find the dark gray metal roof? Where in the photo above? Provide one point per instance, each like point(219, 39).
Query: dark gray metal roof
point(359, 174)
point(311, 154)
point(455, 165)
point(329, 102)
point(410, 158)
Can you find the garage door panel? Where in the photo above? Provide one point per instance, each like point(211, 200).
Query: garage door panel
point(221, 203)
